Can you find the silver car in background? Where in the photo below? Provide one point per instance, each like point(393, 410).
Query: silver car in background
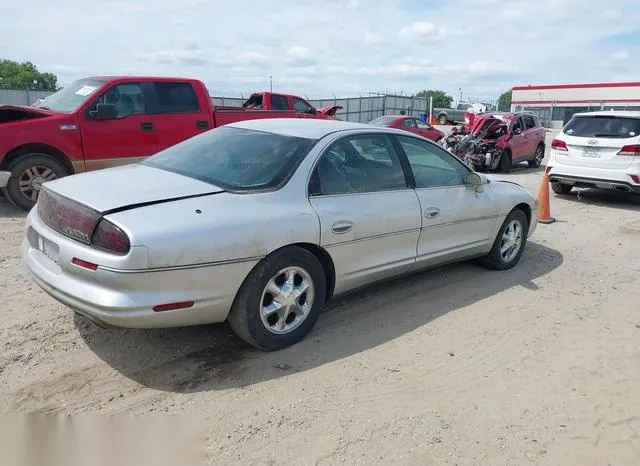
point(259, 223)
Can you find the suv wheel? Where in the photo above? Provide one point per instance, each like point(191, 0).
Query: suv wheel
point(536, 161)
point(560, 188)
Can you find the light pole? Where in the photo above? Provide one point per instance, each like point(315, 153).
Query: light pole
point(270, 83)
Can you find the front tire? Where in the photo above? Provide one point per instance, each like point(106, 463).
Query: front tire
point(280, 300)
point(505, 162)
point(509, 243)
point(28, 173)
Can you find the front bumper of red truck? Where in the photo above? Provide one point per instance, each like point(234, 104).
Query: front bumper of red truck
point(4, 179)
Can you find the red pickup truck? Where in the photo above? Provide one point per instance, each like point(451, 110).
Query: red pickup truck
point(100, 122)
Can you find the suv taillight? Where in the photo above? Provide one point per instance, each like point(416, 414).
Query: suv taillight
point(633, 149)
point(110, 238)
point(557, 144)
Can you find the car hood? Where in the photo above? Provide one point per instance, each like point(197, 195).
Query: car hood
point(329, 110)
point(13, 113)
point(128, 186)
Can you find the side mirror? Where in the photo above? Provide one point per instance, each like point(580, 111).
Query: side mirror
point(517, 130)
point(477, 181)
point(104, 112)
point(313, 111)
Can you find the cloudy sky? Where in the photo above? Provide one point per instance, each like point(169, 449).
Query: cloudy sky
point(324, 47)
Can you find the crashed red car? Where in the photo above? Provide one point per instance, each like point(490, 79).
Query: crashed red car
point(499, 140)
point(411, 124)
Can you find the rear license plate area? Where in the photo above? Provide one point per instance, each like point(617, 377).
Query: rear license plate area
point(42, 244)
point(591, 153)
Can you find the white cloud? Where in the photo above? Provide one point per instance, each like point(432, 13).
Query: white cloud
point(424, 31)
point(330, 47)
point(187, 56)
point(620, 55)
point(375, 39)
point(301, 56)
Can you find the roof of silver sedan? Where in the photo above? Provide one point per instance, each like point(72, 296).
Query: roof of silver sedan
point(311, 128)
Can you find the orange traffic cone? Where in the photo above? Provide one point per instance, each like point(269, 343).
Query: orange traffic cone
point(544, 207)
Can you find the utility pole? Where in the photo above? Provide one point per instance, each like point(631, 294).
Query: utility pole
point(270, 83)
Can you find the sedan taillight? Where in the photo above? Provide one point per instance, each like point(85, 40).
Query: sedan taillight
point(110, 238)
point(66, 216)
point(81, 223)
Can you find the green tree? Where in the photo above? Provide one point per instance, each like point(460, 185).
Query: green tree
point(504, 102)
point(25, 75)
point(440, 98)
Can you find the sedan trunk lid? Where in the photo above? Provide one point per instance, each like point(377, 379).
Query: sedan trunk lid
point(128, 186)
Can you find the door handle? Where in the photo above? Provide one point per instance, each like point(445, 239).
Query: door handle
point(341, 227)
point(431, 212)
point(147, 126)
point(202, 124)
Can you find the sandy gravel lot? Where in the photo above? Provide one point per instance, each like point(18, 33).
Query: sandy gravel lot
point(539, 365)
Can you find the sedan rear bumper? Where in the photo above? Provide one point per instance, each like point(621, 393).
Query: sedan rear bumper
point(130, 305)
point(4, 179)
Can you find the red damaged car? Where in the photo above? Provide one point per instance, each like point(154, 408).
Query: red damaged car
point(499, 140)
point(411, 124)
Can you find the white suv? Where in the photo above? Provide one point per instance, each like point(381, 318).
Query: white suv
point(597, 150)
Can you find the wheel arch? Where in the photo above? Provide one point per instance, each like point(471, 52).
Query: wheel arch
point(526, 208)
point(39, 148)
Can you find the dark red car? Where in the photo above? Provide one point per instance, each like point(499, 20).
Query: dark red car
point(409, 123)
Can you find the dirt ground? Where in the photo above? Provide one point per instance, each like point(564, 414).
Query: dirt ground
point(539, 365)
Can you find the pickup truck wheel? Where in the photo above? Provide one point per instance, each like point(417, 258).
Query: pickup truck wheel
point(536, 161)
point(28, 173)
point(505, 162)
point(442, 119)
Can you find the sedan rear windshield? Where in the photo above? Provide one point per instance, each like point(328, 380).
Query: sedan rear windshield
point(235, 159)
point(604, 126)
point(382, 121)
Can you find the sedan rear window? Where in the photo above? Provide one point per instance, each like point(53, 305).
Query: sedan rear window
point(235, 159)
point(382, 121)
point(604, 126)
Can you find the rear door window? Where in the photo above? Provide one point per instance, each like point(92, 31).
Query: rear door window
point(175, 97)
point(604, 126)
point(279, 102)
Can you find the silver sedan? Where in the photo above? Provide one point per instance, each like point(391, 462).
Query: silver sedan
point(260, 223)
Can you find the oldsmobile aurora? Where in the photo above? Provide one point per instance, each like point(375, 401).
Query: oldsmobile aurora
point(259, 223)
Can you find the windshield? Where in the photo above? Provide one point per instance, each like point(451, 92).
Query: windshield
point(381, 121)
point(235, 159)
point(603, 126)
point(70, 98)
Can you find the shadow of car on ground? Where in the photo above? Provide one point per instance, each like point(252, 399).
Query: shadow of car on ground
point(203, 358)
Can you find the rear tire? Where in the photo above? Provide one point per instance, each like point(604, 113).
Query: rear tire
point(560, 188)
point(277, 283)
point(28, 173)
point(538, 157)
point(513, 231)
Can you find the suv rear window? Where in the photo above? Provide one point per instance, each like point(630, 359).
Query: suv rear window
point(604, 126)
